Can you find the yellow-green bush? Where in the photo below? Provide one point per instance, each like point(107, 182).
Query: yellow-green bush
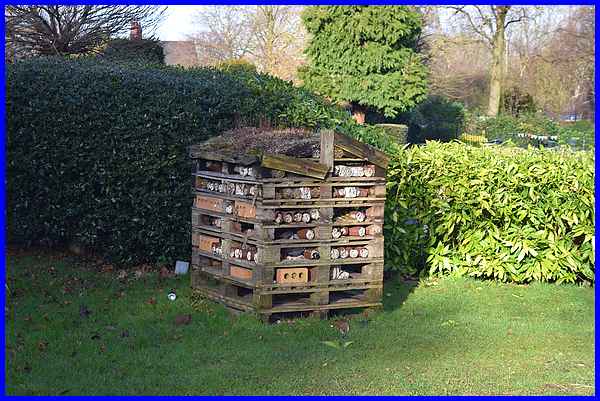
point(506, 213)
point(472, 139)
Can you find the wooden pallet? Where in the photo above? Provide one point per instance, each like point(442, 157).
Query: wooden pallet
point(255, 238)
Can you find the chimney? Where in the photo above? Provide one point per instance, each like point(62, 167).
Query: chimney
point(135, 32)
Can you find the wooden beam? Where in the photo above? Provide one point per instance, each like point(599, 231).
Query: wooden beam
point(361, 150)
point(326, 151)
point(295, 165)
point(200, 152)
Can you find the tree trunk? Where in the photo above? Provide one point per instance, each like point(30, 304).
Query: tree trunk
point(359, 113)
point(498, 56)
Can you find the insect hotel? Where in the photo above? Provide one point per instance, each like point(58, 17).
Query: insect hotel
point(289, 221)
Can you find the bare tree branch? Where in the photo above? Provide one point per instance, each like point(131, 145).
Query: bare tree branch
point(79, 29)
point(475, 27)
point(271, 37)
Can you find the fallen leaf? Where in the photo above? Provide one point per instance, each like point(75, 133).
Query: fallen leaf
point(151, 301)
point(42, 345)
point(103, 348)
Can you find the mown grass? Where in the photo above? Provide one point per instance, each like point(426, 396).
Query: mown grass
point(450, 336)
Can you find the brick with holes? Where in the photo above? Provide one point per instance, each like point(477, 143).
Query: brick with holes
point(292, 275)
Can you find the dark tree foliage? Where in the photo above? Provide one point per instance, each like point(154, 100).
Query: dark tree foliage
point(365, 55)
point(146, 51)
point(437, 118)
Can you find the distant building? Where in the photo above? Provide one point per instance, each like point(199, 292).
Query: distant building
point(177, 52)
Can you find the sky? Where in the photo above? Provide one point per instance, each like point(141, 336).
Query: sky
point(178, 23)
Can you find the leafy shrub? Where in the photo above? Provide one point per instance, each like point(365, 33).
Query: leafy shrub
point(237, 65)
point(398, 132)
point(101, 157)
point(144, 51)
point(437, 118)
point(579, 135)
point(516, 102)
point(506, 127)
point(510, 214)
point(476, 140)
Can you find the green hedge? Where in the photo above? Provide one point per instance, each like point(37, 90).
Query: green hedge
point(96, 151)
point(505, 213)
point(437, 118)
point(144, 51)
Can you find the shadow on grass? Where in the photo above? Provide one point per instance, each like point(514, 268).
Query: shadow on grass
point(396, 291)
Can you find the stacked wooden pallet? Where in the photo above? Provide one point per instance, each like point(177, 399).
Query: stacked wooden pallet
point(273, 233)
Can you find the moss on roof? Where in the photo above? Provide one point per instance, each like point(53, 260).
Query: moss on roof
point(294, 142)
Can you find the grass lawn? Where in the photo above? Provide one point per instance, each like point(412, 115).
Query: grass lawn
point(451, 336)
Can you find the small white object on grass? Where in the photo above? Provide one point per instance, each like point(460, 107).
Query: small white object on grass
point(181, 267)
point(172, 296)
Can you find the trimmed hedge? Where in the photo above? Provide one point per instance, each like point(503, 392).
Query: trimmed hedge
point(505, 213)
point(144, 51)
point(96, 151)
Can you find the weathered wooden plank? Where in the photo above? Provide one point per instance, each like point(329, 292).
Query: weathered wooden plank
point(200, 152)
point(361, 150)
point(295, 165)
point(309, 307)
point(326, 152)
